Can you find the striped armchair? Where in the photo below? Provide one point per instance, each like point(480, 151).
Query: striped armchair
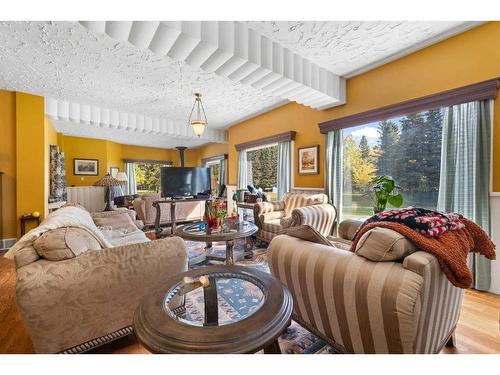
point(272, 218)
point(362, 306)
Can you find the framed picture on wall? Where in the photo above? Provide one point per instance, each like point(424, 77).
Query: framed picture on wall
point(86, 167)
point(309, 160)
point(113, 171)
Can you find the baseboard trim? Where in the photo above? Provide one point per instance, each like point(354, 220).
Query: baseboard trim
point(7, 243)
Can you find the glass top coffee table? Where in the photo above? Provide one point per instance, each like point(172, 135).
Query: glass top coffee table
point(215, 309)
point(245, 229)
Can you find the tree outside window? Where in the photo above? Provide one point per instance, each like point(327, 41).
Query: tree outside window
point(408, 148)
point(147, 177)
point(263, 170)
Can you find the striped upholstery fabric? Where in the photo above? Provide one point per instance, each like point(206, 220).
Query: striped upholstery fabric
point(365, 306)
point(441, 303)
point(295, 200)
point(321, 217)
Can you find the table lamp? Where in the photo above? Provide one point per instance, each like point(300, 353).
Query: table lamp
point(107, 181)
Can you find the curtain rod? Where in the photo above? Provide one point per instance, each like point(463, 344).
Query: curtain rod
point(477, 91)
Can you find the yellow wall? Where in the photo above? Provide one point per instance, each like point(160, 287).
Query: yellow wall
point(30, 155)
point(84, 148)
point(8, 162)
point(109, 154)
point(467, 58)
point(114, 155)
point(196, 155)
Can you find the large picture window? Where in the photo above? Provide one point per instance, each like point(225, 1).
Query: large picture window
point(147, 176)
point(262, 164)
point(408, 148)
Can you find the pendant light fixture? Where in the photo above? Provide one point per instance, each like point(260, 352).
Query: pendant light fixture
point(199, 120)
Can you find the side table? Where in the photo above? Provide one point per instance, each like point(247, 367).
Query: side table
point(26, 219)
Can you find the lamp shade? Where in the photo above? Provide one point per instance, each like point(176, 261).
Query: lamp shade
point(122, 177)
point(198, 127)
point(107, 181)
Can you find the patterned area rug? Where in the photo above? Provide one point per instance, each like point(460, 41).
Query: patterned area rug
point(239, 297)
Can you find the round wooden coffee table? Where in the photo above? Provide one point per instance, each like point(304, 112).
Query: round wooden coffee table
point(244, 229)
point(192, 313)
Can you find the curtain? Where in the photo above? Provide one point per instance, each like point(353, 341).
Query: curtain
point(334, 169)
point(465, 172)
point(242, 170)
point(57, 175)
point(222, 174)
point(284, 175)
point(131, 187)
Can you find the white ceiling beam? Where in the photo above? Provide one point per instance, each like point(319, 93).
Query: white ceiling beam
point(62, 110)
point(232, 50)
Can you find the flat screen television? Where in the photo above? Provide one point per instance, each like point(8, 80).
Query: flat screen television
point(178, 182)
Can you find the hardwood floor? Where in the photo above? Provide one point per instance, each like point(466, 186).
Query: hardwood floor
point(478, 330)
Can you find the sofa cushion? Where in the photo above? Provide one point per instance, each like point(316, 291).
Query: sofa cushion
point(118, 221)
point(384, 245)
point(272, 226)
point(286, 222)
point(308, 233)
point(64, 243)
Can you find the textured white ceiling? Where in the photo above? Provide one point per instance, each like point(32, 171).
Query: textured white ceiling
point(347, 48)
point(68, 62)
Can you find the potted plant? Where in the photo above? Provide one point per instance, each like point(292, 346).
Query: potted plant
point(384, 190)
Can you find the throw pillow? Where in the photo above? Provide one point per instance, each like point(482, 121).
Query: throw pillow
point(307, 233)
point(384, 245)
point(120, 221)
point(65, 243)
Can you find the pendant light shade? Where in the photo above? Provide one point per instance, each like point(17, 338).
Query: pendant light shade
point(198, 119)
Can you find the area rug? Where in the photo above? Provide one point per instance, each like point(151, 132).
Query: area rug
point(237, 298)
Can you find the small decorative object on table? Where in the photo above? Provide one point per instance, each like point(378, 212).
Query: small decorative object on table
point(384, 190)
point(215, 214)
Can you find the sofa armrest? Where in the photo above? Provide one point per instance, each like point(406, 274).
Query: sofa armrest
point(347, 228)
point(365, 306)
point(70, 302)
point(321, 217)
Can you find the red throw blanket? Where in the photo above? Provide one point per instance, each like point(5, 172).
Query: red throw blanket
point(450, 249)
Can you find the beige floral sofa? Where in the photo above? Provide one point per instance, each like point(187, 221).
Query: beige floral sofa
point(81, 276)
point(387, 297)
point(272, 218)
point(184, 211)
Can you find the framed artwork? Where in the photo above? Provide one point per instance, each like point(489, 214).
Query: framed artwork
point(113, 171)
point(86, 167)
point(309, 160)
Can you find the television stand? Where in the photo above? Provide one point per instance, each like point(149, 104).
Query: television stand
point(156, 205)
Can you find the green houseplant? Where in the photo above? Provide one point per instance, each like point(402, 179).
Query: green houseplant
point(384, 190)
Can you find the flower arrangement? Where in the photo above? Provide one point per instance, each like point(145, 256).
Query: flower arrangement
point(215, 213)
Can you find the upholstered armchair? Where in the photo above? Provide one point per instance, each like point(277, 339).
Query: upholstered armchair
point(361, 305)
point(272, 218)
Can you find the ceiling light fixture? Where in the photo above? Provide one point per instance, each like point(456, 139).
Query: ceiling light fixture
point(199, 121)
